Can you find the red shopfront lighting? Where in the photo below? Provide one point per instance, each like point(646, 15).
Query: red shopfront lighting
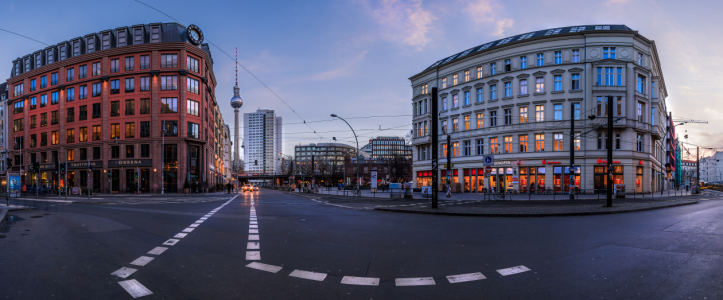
point(577, 182)
point(637, 182)
point(542, 182)
point(466, 172)
point(617, 181)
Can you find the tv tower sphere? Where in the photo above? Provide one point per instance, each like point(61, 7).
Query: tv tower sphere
point(236, 100)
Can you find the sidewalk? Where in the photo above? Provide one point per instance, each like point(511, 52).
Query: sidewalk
point(113, 198)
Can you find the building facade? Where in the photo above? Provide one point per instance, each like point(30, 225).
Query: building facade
point(3, 125)
point(262, 139)
point(136, 99)
point(514, 99)
point(711, 168)
point(388, 147)
point(328, 159)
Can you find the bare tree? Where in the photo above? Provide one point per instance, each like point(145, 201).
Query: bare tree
point(400, 167)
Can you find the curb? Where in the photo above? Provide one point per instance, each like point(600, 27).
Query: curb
point(531, 215)
point(3, 213)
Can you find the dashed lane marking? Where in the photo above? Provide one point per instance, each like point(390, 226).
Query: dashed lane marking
point(264, 267)
point(360, 280)
point(253, 231)
point(170, 242)
point(254, 226)
point(135, 288)
point(189, 229)
point(157, 250)
point(124, 272)
point(253, 255)
point(180, 235)
point(142, 261)
point(414, 281)
point(253, 237)
point(253, 246)
point(465, 277)
point(308, 275)
point(194, 225)
point(513, 270)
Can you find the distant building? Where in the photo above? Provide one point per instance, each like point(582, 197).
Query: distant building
point(3, 123)
point(688, 169)
point(711, 168)
point(387, 147)
point(227, 158)
point(388, 170)
point(328, 160)
point(262, 133)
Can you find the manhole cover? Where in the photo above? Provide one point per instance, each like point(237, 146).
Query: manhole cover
point(35, 217)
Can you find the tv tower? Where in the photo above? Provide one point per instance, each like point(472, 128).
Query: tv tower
point(236, 103)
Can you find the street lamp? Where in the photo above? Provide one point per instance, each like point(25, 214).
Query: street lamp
point(357, 152)
point(163, 154)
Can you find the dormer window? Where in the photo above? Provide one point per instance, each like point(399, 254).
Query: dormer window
point(122, 38)
point(91, 45)
point(106, 40)
point(156, 34)
point(138, 35)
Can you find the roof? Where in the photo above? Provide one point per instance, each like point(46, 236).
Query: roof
point(529, 35)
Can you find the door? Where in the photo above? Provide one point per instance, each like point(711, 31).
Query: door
point(145, 180)
point(130, 181)
point(115, 180)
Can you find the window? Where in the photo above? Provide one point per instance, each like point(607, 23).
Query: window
point(193, 130)
point(619, 106)
point(444, 126)
point(32, 85)
point(18, 125)
point(575, 55)
point(96, 69)
point(508, 89)
point(493, 118)
point(145, 150)
point(70, 74)
point(539, 85)
point(480, 147)
point(43, 119)
point(70, 95)
point(71, 154)
point(114, 87)
point(466, 76)
point(114, 131)
point(558, 83)
point(640, 143)
point(641, 84)
point(33, 142)
point(130, 130)
point(575, 84)
point(129, 63)
point(493, 68)
point(641, 109)
point(145, 62)
point(130, 107)
point(83, 156)
point(479, 72)
point(83, 134)
point(33, 103)
point(523, 86)
point(44, 141)
point(508, 65)
point(609, 76)
point(455, 79)
point(557, 142)
point(608, 52)
point(494, 146)
point(617, 141)
point(53, 117)
point(114, 108)
point(601, 109)
point(599, 76)
point(43, 83)
point(539, 113)
point(558, 112)
point(467, 148)
point(652, 116)
point(54, 138)
point(96, 152)
point(523, 62)
point(523, 143)
point(145, 129)
point(444, 82)
point(145, 84)
point(640, 59)
point(523, 114)
point(558, 57)
point(169, 60)
point(192, 85)
point(169, 105)
point(540, 59)
point(82, 71)
point(619, 77)
point(577, 141)
point(480, 120)
point(54, 98)
point(114, 152)
point(145, 106)
point(467, 122)
point(96, 89)
point(493, 92)
point(130, 151)
point(467, 100)
point(600, 143)
point(70, 135)
point(96, 110)
point(480, 97)
point(169, 83)
point(507, 144)
point(652, 89)
point(130, 85)
point(54, 78)
point(70, 114)
point(576, 111)
point(19, 105)
point(33, 122)
point(455, 124)
point(171, 128)
point(508, 116)
point(425, 89)
point(455, 101)
point(83, 92)
point(444, 150)
point(540, 142)
point(192, 64)
point(115, 65)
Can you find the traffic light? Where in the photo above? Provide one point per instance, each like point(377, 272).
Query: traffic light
point(36, 167)
point(136, 173)
point(62, 168)
point(9, 162)
point(108, 174)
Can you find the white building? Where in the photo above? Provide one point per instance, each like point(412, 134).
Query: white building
point(262, 137)
point(711, 168)
point(227, 158)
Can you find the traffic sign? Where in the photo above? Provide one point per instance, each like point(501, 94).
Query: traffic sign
point(488, 169)
point(489, 160)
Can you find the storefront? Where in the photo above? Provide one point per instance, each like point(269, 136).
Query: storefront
point(443, 182)
point(561, 179)
point(601, 173)
point(424, 178)
point(129, 168)
point(532, 179)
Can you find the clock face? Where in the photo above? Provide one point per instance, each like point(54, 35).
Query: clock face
point(195, 35)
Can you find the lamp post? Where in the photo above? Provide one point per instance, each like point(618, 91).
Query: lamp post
point(357, 152)
point(163, 154)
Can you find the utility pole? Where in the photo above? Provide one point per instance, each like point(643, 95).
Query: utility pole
point(609, 144)
point(66, 176)
point(313, 173)
point(449, 162)
point(697, 166)
point(572, 150)
point(435, 149)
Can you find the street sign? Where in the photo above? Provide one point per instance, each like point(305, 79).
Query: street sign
point(488, 169)
point(489, 160)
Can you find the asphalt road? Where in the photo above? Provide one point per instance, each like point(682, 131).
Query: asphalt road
point(68, 251)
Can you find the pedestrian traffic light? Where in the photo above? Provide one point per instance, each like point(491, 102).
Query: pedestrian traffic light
point(136, 173)
point(62, 168)
point(9, 162)
point(108, 174)
point(36, 167)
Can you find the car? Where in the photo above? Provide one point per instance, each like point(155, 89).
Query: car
point(246, 188)
point(255, 188)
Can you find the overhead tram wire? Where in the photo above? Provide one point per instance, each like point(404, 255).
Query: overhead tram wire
point(20, 35)
point(242, 66)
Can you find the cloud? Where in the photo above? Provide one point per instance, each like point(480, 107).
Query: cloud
point(404, 21)
point(344, 70)
point(488, 12)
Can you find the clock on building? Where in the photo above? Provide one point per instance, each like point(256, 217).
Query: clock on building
point(194, 34)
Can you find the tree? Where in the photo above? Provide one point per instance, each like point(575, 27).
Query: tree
point(400, 167)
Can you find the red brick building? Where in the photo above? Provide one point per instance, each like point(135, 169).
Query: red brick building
point(106, 99)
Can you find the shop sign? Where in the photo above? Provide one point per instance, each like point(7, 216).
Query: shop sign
point(600, 161)
point(550, 162)
point(515, 179)
point(502, 162)
point(130, 163)
point(47, 167)
point(84, 165)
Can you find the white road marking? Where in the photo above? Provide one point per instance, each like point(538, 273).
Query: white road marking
point(264, 267)
point(254, 223)
point(180, 235)
point(171, 242)
point(189, 229)
point(465, 277)
point(253, 255)
point(253, 237)
point(252, 245)
point(194, 225)
point(124, 272)
point(142, 261)
point(360, 280)
point(308, 275)
point(203, 218)
point(157, 250)
point(253, 231)
point(135, 288)
point(513, 270)
point(254, 226)
point(199, 222)
point(414, 281)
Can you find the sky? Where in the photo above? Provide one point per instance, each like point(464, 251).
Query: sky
point(354, 58)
